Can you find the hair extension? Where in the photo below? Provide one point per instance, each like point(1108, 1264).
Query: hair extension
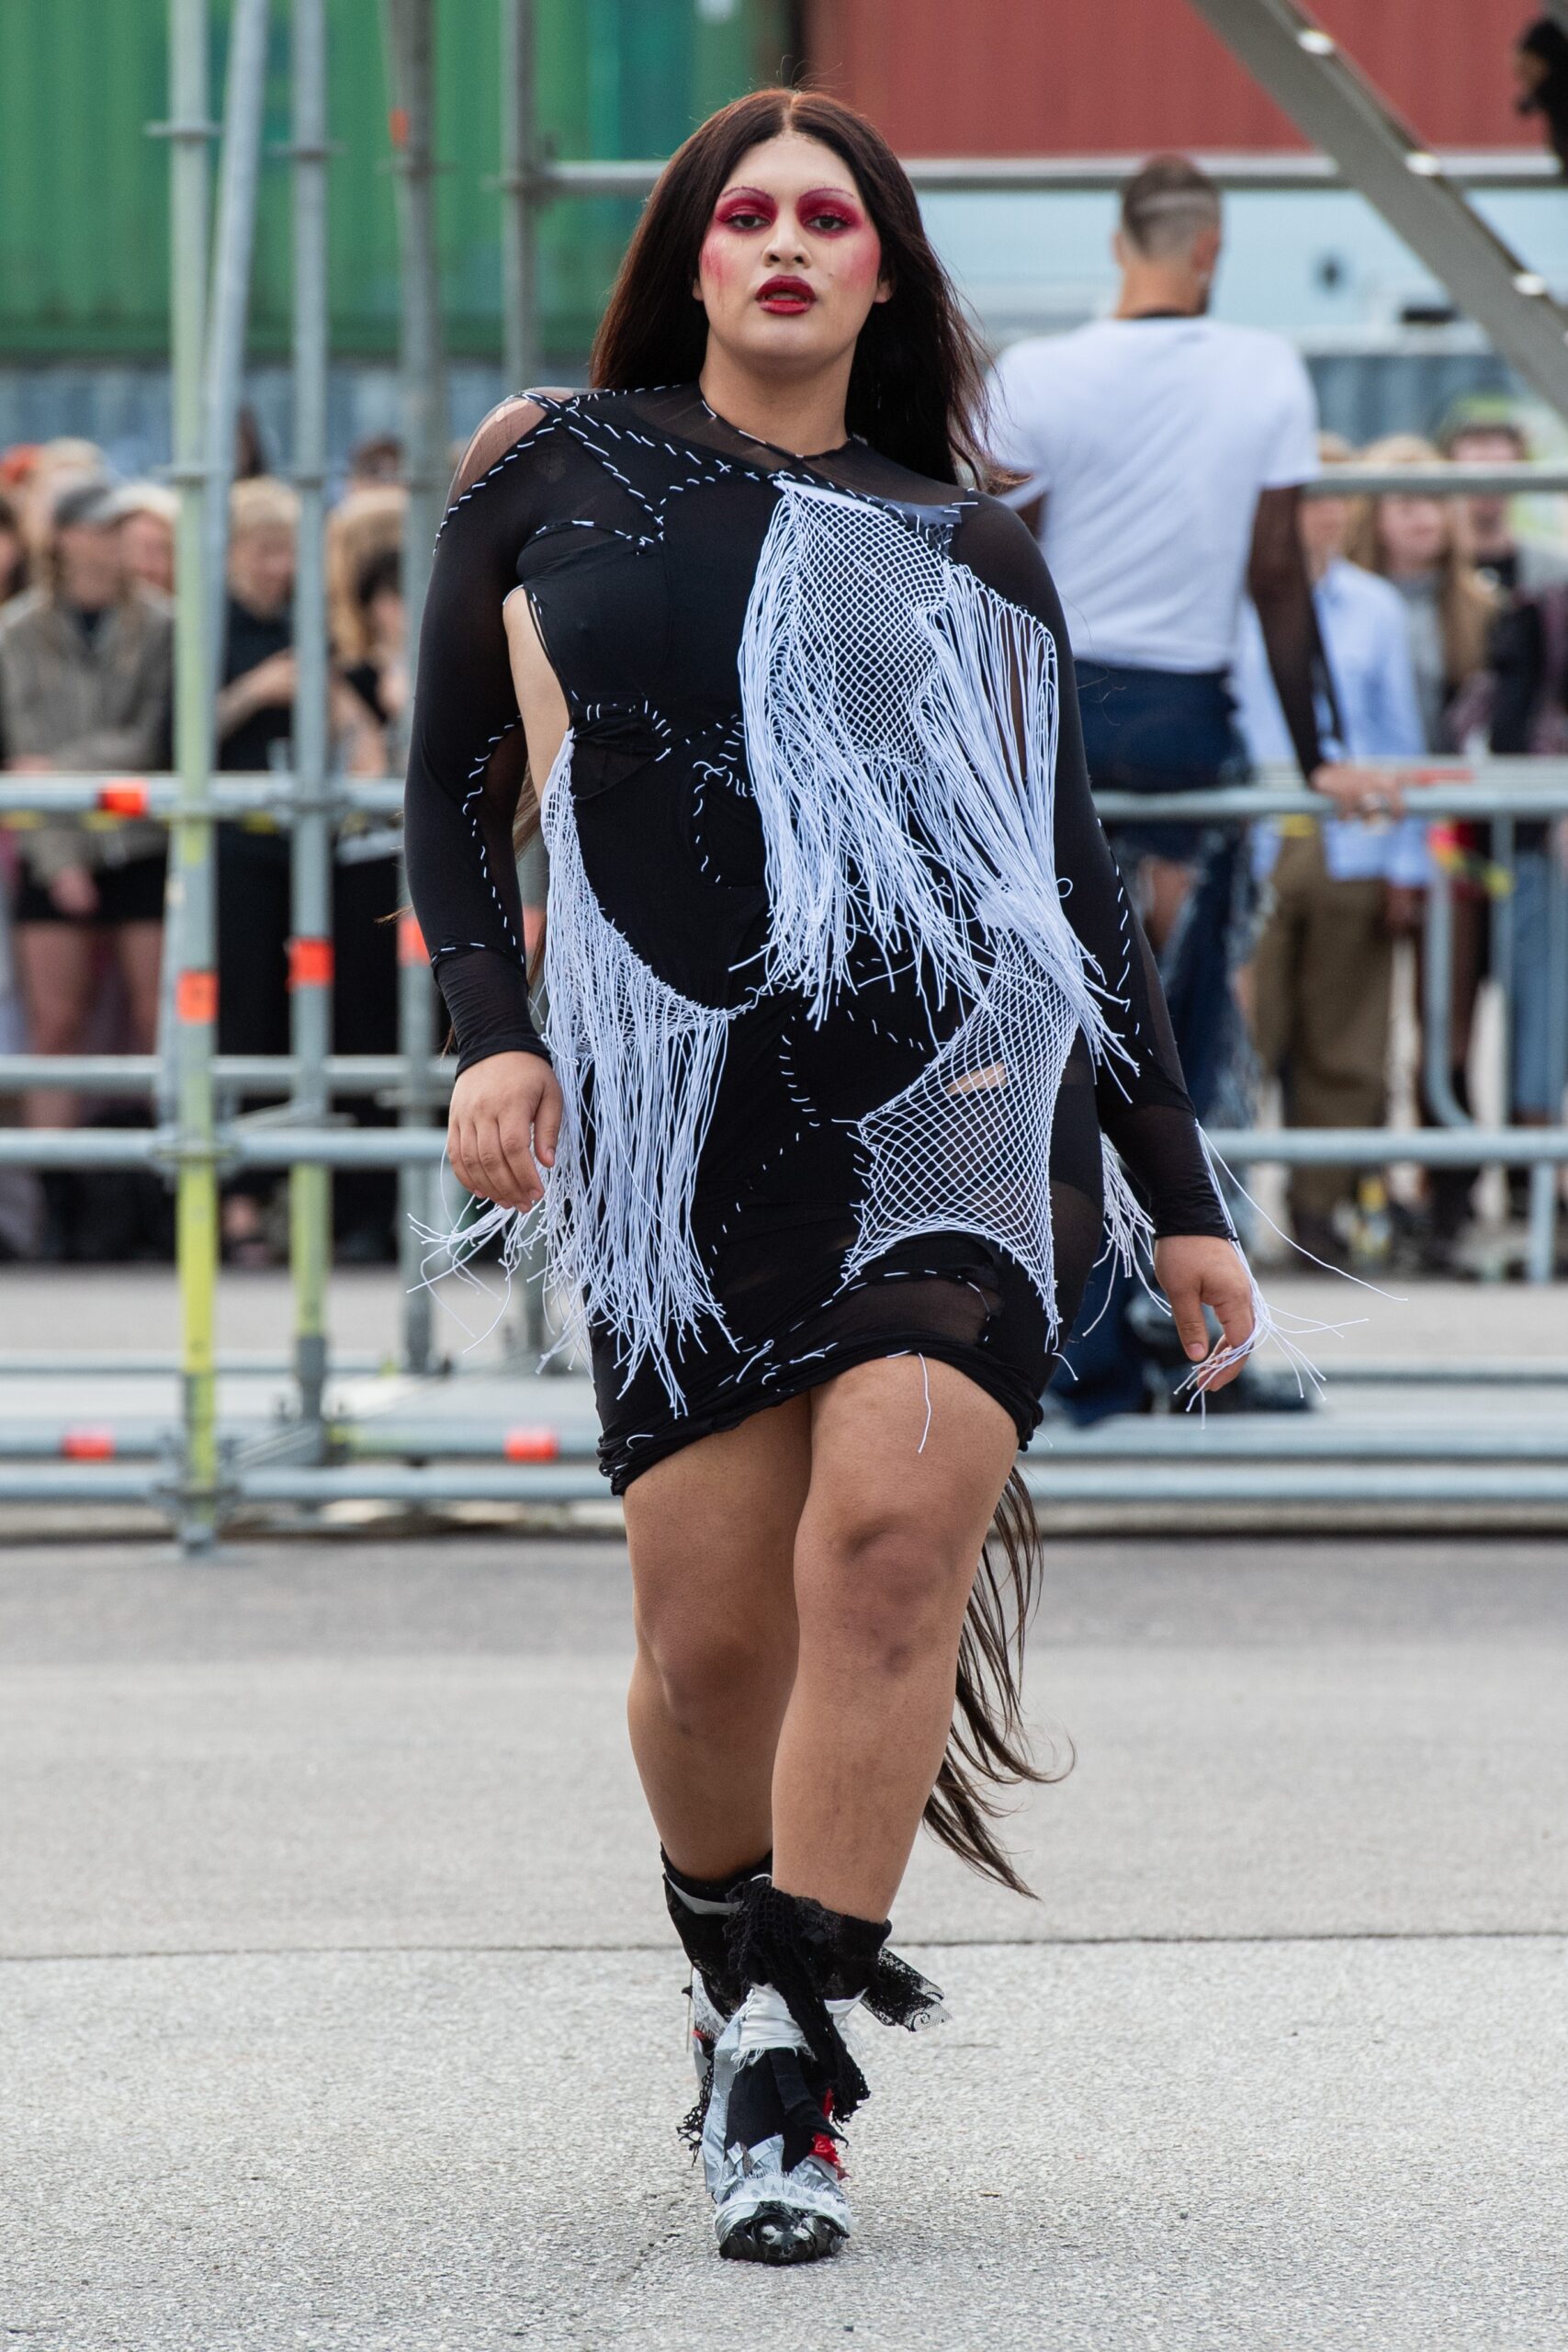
point(988, 1748)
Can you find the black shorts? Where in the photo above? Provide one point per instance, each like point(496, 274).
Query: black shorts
point(130, 893)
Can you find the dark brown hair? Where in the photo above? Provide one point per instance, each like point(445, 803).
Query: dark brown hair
point(916, 385)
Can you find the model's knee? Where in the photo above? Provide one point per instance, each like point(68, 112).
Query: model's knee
point(881, 1591)
point(707, 1678)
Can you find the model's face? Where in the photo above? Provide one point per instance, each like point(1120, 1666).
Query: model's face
point(147, 547)
point(261, 567)
point(791, 266)
point(1413, 533)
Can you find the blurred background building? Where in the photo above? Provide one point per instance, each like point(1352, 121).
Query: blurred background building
point(84, 205)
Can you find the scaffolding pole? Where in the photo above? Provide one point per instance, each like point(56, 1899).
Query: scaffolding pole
point(1501, 167)
point(311, 947)
point(520, 196)
point(410, 34)
point(1306, 71)
point(233, 245)
point(191, 891)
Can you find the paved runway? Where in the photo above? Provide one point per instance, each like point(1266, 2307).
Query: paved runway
point(337, 2007)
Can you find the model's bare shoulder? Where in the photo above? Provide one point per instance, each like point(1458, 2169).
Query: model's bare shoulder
point(509, 422)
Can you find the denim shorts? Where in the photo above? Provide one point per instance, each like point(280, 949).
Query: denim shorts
point(1158, 731)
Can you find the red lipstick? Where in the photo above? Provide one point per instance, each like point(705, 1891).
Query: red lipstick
point(787, 298)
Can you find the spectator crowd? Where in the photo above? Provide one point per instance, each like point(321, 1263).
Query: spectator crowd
point(1444, 630)
point(87, 672)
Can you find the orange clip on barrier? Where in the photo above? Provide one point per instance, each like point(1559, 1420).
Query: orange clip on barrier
point(87, 1445)
point(309, 962)
point(196, 996)
point(411, 940)
point(532, 1445)
point(124, 796)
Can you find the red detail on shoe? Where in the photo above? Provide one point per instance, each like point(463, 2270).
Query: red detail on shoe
point(825, 2148)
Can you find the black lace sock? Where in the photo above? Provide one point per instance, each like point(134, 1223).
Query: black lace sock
point(811, 1956)
point(702, 1910)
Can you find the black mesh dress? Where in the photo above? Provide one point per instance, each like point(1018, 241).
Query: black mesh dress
point(843, 988)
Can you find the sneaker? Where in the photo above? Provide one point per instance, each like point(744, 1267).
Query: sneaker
point(769, 2150)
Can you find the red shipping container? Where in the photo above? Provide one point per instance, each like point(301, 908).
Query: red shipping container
point(1079, 78)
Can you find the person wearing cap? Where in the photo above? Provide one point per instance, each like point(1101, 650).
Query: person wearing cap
point(1510, 561)
point(86, 662)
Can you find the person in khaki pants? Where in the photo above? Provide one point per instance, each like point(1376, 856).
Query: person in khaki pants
point(1341, 891)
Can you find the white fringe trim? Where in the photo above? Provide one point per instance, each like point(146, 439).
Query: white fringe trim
point(902, 739)
point(618, 1220)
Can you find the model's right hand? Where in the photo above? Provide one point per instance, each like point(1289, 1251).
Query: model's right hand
point(502, 1128)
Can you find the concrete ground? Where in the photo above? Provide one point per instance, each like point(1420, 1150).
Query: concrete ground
point(337, 2007)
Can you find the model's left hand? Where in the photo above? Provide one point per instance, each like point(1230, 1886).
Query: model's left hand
point(1195, 1271)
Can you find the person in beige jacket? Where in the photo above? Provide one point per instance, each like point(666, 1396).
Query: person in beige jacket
point(86, 685)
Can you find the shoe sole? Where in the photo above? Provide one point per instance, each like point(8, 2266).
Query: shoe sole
point(779, 2235)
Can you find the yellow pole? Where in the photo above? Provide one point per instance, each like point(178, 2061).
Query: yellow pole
point(190, 935)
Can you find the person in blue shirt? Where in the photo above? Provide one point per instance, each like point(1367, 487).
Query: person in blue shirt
point(1342, 890)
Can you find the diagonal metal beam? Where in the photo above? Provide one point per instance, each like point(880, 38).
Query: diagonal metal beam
point(1306, 71)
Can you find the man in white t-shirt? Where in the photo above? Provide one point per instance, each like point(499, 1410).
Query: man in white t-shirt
point(1163, 455)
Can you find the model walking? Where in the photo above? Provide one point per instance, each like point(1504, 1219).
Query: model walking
point(843, 994)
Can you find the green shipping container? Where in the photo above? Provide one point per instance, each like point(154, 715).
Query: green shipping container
point(84, 190)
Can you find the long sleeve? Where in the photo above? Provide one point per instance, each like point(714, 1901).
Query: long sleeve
point(468, 758)
point(1141, 1096)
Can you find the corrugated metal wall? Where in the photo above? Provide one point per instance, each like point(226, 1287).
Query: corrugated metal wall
point(1000, 78)
point(84, 200)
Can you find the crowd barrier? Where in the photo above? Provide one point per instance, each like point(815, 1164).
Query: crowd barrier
point(316, 1457)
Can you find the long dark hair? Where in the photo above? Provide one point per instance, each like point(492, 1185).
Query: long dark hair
point(916, 385)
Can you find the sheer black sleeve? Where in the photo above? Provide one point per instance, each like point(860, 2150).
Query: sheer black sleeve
point(468, 758)
point(1142, 1099)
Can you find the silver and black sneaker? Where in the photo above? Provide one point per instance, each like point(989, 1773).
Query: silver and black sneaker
point(770, 2155)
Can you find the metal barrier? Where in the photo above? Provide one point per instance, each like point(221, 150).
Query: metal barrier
point(434, 1462)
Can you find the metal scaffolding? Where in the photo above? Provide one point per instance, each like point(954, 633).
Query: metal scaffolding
point(206, 1473)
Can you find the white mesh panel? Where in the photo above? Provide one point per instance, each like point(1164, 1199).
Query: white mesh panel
point(967, 1144)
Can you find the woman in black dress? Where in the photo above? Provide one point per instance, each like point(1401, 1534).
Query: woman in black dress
point(843, 995)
